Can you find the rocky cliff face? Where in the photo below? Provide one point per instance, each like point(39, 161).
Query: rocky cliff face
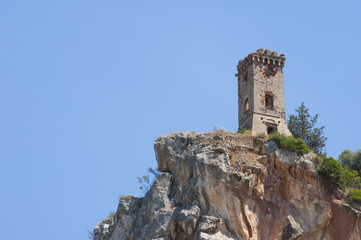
point(232, 186)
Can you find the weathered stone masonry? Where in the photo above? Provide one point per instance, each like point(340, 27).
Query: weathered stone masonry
point(261, 104)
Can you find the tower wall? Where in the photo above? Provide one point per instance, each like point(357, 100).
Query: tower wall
point(260, 82)
point(245, 93)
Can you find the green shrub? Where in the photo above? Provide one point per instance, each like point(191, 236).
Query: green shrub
point(351, 160)
point(332, 170)
point(354, 195)
point(351, 178)
point(243, 131)
point(296, 145)
point(277, 138)
point(289, 143)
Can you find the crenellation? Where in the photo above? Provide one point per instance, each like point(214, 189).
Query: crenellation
point(262, 58)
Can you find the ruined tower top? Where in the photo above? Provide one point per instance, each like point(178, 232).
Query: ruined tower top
point(264, 57)
point(261, 106)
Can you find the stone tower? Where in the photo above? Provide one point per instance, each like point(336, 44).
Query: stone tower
point(261, 102)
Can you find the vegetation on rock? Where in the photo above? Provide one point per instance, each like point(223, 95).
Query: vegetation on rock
point(332, 170)
point(302, 125)
point(290, 143)
point(351, 160)
point(354, 195)
point(146, 181)
point(345, 172)
point(244, 131)
point(110, 218)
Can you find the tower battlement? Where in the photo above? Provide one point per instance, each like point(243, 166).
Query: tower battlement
point(261, 106)
point(262, 57)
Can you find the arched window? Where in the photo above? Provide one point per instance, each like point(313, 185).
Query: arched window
point(269, 101)
point(246, 106)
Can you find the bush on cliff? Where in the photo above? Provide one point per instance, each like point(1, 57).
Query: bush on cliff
point(354, 195)
point(351, 178)
point(290, 143)
point(332, 170)
point(351, 160)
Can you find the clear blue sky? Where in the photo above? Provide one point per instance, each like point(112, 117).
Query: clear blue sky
point(87, 86)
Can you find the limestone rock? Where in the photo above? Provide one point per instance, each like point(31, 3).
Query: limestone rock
point(210, 224)
point(188, 219)
point(217, 236)
point(293, 230)
point(232, 186)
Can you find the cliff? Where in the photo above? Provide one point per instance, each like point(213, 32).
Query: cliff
point(232, 186)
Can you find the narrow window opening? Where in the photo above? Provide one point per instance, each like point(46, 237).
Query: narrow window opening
point(269, 101)
point(245, 77)
point(246, 106)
